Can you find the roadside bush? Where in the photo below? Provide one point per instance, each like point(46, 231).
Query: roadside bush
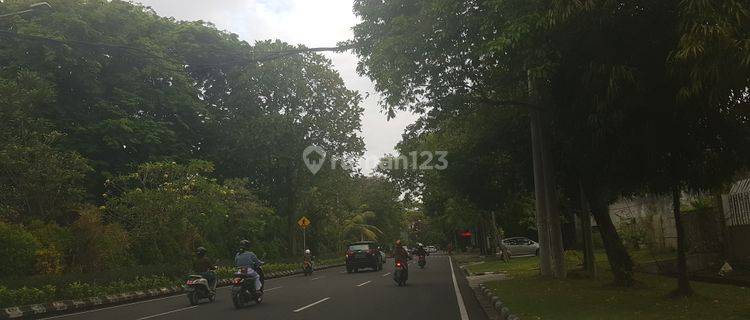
point(55, 245)
point(49, 261)
point(17, 250)
point(97, 246)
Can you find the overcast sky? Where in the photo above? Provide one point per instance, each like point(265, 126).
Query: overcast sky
point(314, 23)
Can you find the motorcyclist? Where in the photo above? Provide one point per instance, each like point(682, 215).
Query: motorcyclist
point(308, 258)
point(204, 266)
point(248, 259)
point(420, 250)
point(400, 254)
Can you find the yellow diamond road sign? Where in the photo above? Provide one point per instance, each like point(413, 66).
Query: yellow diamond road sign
point(303, 222)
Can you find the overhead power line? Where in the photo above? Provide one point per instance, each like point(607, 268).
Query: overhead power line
point(260, 56)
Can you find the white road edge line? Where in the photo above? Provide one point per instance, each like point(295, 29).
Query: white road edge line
point(313, 279)
point(134, 303)
point(166, 313)
point(386, 274)
point(312, 304)
point(112, 307)
point(364, 283)
point(461, 306)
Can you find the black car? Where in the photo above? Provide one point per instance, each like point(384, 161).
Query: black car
point(363, 254)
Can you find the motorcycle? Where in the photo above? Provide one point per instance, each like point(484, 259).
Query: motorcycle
point(307, 268)
point(422, 261)
point(243, 287)
point(198, 288)
point(400, 274)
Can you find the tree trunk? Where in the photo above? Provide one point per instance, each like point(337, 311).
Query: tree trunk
point(589, 262)
point(545, 264)
point(683, 283)
point(619, 259)
point(495, 234)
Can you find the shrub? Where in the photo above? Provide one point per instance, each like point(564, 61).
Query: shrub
point(49, 261)
point(17, 250)
point(55, 242)
point(98, 246)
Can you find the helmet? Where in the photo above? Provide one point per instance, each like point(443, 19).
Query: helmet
point(307, 251)
point(244, 244)
point(200, 251)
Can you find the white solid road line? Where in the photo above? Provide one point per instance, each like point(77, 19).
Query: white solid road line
point(271, 289)
point(386, 274)
point(461, 306)
point(313, 279)
point(166, 313)
point(312, 304)
point(364, 283)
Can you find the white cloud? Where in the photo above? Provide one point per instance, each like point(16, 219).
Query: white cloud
point(314, 23)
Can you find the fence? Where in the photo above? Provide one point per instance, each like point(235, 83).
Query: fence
point(737, 219)
point(737, 209)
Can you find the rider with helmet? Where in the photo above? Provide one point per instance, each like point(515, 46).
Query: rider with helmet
point(204, 266)
point(308, 259)
point(400, 254)
point(247, 260)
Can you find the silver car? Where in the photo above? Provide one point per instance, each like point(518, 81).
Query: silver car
point(521, 246)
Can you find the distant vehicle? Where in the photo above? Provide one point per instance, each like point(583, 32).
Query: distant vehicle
point(363, 254)
point(422, 261)
point(432, 249)
point(521, 246)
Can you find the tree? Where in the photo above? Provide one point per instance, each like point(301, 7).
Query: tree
point(38, 178)
point(356, 227)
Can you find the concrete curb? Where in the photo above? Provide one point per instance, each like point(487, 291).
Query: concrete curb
point(36, 311)
point(483, 273)
point(497, 304)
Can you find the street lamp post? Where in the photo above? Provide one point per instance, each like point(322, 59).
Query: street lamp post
point(32, 8)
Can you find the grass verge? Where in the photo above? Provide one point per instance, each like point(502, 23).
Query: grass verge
point(533, 297)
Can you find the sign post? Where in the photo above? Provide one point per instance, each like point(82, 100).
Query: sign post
point(303, 224)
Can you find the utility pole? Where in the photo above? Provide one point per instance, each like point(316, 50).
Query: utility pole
point(547, 211)
point(542, 225)
point(545, 265)
point(557, 251)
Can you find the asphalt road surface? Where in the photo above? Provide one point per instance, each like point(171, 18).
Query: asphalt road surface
point(327, 294)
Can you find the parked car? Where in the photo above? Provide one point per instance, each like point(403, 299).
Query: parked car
point(363, 254)
point(432, 249)
point(521, 246)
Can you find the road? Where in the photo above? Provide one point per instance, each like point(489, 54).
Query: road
point(327, 294)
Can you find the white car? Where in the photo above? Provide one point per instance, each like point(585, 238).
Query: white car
point(521, 246)
point(431, 249)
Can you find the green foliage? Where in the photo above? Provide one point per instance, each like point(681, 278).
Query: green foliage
point(128, 139)
point(169, 209)
point(97, 246)
point(78, 290)
point(39, 179)
point(18, 249)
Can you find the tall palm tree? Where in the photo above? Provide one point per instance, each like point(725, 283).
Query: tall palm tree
point(355, 226)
